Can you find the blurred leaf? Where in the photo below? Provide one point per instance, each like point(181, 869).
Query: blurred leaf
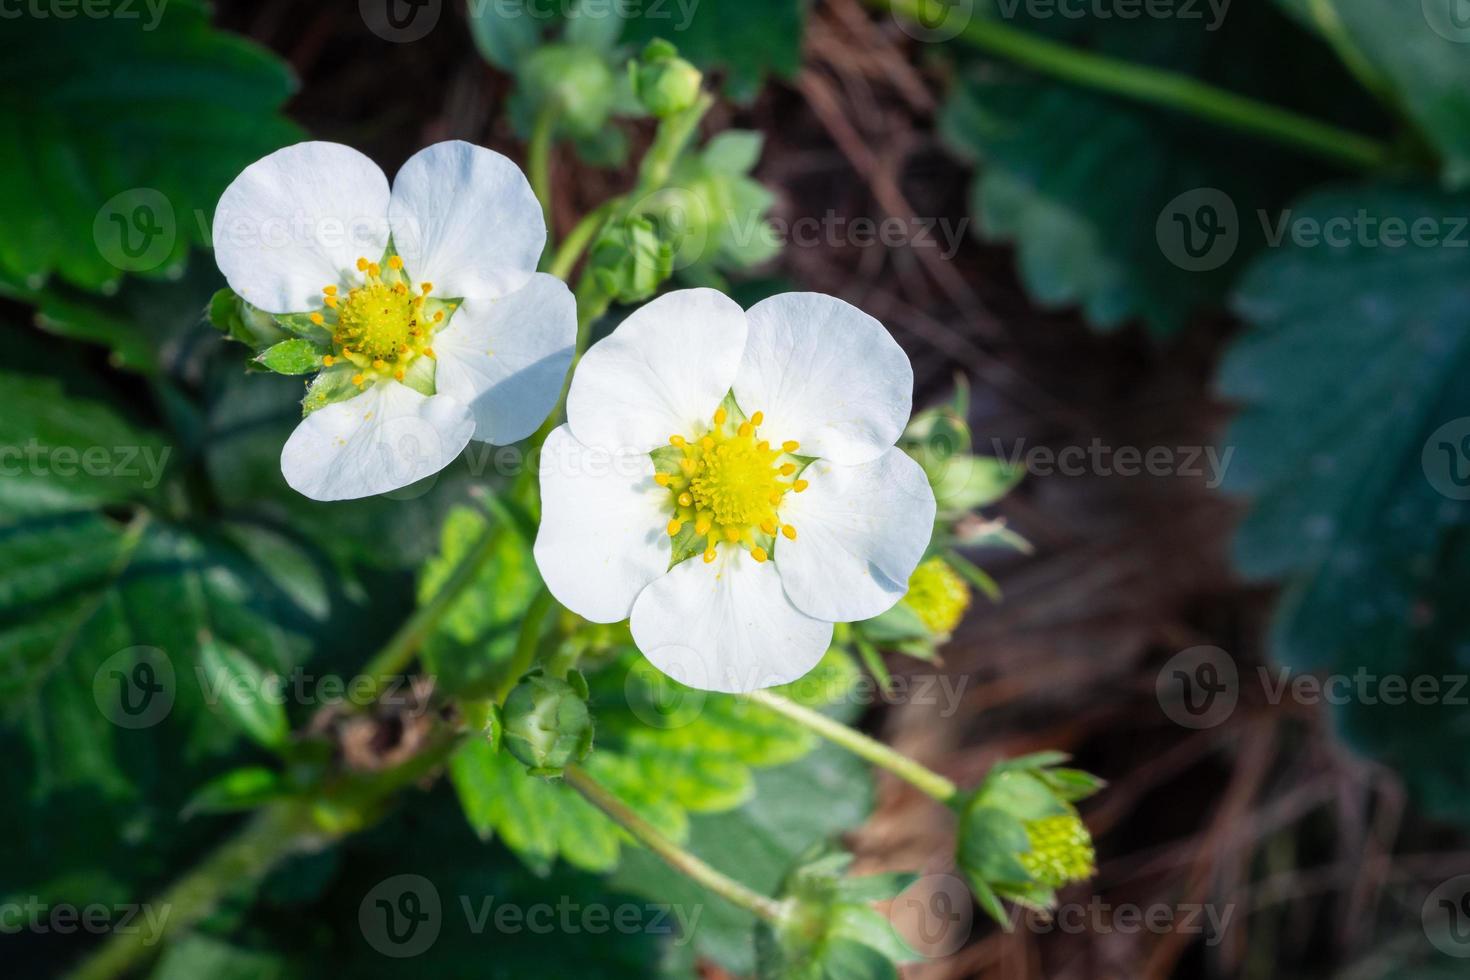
point(505, 31)
point(1350, 448)
point(748, 38)
point(1099, 193)
point(1414, 54)
point(238, 689)
point(119, 130)
point(194, 956)
point(794, 807)
point(238, 789)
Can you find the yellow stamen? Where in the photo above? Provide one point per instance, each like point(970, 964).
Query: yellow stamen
point(329, 290)
point(428, 287)
point(758, 418)
point(317, 318)
point(674, 527)
point(720, 416)
point(788, 468)
point(662, 479)
point(676, 440)
point(395, 263)
point(800, 485)
point(790, 446)
point(357, 379)
point(790, 532)
point(362, 265)
point(759, 554)
point(328, 360)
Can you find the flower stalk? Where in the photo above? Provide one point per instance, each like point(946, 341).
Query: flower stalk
point(675, 856)
point(1158, 87)
point(880, 755)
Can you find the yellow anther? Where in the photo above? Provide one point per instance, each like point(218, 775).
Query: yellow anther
point(426, 288)
point(709, 556)
point(662, 479)
point(790, 446)
point(328, 360)
point(400, 288)
point(768, 526)
point(706, 444)
point(790, 532)
point(775, 498)
point(357, 379)
point(330, 301)
point(674, 527)
point(439, 316)
point(800, 485)
point(676, 440)
point(702, 525)
point(362, 265)
point(380, 364)
point(398, 374)
point(329, 290)
point(317, 318)
point(758, 418)
point(788, 468)
point(745, 429)
point(732, 534)
point(395, 263)
point(759, 554)
point(685, 500)
point(720, 416)
point(374, 269)
point(429, 353)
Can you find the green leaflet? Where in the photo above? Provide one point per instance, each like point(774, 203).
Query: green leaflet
point(118, 133)
point(1098, 193)
point(1349, 448)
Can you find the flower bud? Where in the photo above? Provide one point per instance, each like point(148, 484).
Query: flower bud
point(576, 80)
point(631, 260)
point(1061, 850)
point(664, 82)
point(546, 722)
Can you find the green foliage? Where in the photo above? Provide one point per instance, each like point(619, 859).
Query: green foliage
point(747, 39)
point(757, 845)
point(115, 132)
point(666, 750)
point(1412, 55)
point(1356, 356)
point(1079, 181)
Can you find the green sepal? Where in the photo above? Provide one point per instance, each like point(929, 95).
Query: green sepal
point(294, 356)
point(300, 325)
point(333, 385)
point(420, 375)
point(240, 321)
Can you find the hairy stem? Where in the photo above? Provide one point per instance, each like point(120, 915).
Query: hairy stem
point(860, 745)
point(1156, 86)
point(673, 855)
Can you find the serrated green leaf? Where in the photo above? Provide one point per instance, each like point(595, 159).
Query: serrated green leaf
point(1097, 192)
point(117, 128)
point(1351, 382)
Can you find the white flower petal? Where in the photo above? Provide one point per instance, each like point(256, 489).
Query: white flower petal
point(602, 535)
point(507, 358)
point(298, 220)
point(825, 374)
point(860, 532)
point(385, 438)
point(662, 372)
point(726, 626)
point(465, 219)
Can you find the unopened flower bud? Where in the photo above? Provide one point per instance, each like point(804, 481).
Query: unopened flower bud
point(664, 82)
point(547, 725)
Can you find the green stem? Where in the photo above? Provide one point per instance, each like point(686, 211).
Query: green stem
point(538, 163)
point(580, 237)
point(400, 650)
point(673, 855)
point(860, 745)
point(527, 642)
point(236, 867)
point(1158, 87)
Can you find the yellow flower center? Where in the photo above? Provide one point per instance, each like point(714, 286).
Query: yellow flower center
point(728, 483)
point(1061, 850)
point(938, 595)
point(382, 325)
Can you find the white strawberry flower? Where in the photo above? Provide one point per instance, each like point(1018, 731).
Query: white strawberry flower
point(439, 328)
point(729, 480)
